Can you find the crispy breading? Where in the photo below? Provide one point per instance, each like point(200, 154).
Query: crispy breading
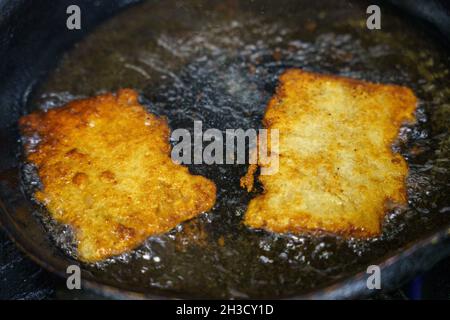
point(337, 171)
point(106, 170)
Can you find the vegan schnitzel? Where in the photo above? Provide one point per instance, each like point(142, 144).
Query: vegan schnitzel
point(105, 168)
point(337, 170)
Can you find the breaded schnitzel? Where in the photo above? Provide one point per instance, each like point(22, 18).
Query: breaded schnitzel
point(106, 170)
point(337, 171)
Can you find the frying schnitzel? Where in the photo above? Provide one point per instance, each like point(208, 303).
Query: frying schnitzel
point(105, 167)
point(337, 171)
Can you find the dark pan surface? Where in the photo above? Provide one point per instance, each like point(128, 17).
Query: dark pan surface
point(218, 62)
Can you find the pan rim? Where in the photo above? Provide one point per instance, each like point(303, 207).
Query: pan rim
point(343, 288)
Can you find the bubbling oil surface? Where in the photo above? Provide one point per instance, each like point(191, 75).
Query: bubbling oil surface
point(218, 62)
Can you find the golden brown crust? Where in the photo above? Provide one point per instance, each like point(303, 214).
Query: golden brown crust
point(337, 172)
point(248, 180)
point(106, 170)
